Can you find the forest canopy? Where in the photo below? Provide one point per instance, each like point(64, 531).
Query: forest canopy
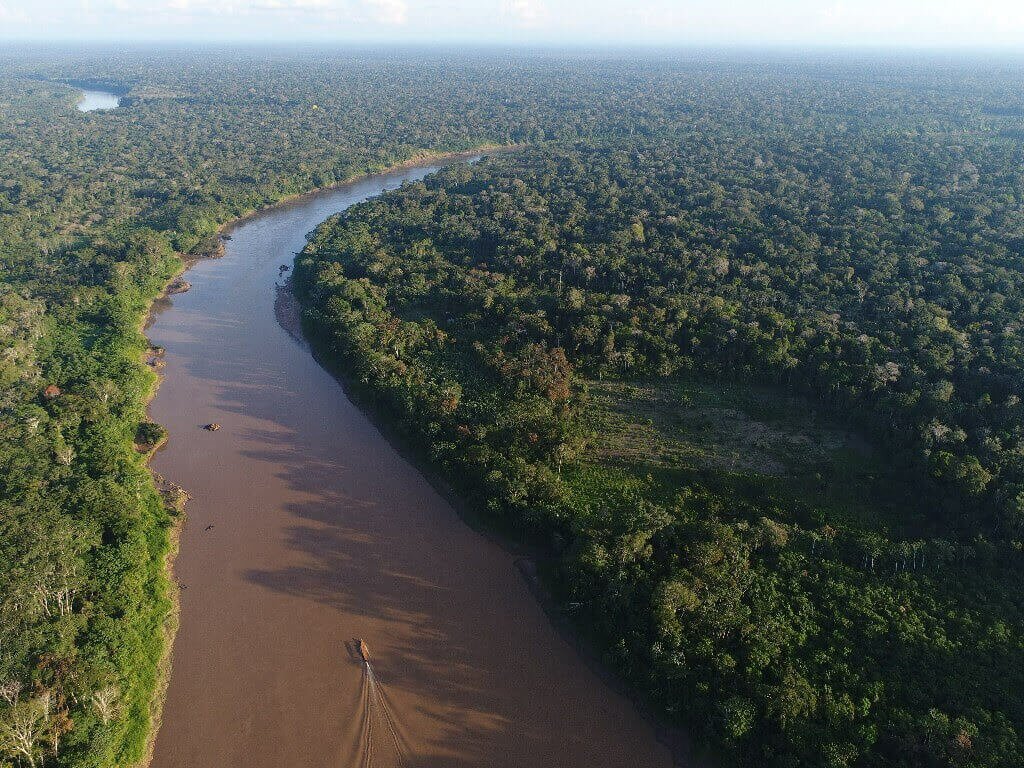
point(844, 230)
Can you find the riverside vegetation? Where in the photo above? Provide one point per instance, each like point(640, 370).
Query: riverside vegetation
point(558, 329)
point(574, 332)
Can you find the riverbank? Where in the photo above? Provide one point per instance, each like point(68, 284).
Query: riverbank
point(308, 529)
point(417, 160)
point(530, 556)
point(214, 248)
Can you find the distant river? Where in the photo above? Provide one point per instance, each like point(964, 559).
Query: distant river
point(308, 531)
point(94, 100)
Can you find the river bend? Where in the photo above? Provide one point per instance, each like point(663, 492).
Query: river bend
point(307, 530)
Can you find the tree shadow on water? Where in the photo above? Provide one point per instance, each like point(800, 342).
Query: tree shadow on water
point(377, 568)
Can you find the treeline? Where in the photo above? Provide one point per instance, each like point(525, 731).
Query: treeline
point(877, 273)
point(94, 211)
point(96, 208)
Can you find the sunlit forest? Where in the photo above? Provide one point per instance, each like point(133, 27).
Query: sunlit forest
point(732, 341)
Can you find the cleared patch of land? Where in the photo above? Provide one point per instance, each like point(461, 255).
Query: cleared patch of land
point(721, 426)
point(665, 435)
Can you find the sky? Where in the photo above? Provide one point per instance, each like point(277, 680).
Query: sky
point(884, 23)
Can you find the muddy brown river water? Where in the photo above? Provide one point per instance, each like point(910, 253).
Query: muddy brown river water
point(307, 530)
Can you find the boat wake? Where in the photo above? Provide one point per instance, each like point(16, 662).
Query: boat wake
point(380, 738)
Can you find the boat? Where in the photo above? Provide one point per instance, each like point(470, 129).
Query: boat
point(364, 651)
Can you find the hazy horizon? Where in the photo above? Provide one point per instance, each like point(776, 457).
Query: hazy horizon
point(872, 24)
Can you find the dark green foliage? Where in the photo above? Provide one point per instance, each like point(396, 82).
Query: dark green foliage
point(94, 209)
point(149, 434)
point(787, 631)
point(849, 229)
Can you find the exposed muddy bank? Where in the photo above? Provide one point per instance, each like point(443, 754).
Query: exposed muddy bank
point(307, 530)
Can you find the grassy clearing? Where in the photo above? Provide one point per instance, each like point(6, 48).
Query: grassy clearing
point(660, 436)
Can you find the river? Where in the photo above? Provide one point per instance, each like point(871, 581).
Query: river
point(307, 530)
point(93, 100)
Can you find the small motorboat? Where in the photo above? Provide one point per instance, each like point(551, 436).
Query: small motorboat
point(364, 651)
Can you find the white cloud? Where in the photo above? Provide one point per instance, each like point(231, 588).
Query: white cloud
point(928, 18)
point(241, 7)
point(393, 12)
point(12, 14)
point(879, 22)
point(353, 10)
point(385, 12)
point(525, 13)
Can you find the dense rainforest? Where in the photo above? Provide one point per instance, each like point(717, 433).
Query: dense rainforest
point(845, 231)
point(493, 311)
